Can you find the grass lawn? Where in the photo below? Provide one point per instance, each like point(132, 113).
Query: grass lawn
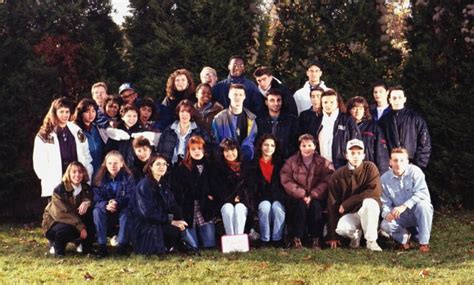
point(23, 259)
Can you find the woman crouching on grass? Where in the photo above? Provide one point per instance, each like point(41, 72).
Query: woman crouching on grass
point(114, 185)
point(193, 194)
point(262, 182)
point(68, 215)
point(156, 219)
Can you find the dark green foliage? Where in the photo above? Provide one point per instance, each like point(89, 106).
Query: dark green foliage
point(48, 49)
point(167, 35)
point(343, 35)
point(438, 80)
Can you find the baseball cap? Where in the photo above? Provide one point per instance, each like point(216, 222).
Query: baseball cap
point(125, 86)
point(355, 143)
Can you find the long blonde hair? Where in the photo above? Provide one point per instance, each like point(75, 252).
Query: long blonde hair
point(67, 174)
point(50, 121)
point(103, 167)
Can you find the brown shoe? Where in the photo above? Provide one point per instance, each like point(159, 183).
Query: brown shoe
point(424, 248)
point(297, 243)
point(315, 244)
point(405, 246)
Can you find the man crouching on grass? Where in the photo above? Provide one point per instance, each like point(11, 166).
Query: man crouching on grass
point(406, 201)
point(354, 200)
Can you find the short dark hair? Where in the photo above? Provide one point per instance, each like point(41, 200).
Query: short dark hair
point(236, 56)
point(275, 92)
point(380, 84)
point(261, 71)
point(395, 88)
point(141, 141)
point(315, 63)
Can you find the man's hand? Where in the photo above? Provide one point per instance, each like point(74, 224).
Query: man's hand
point(333, 243)
point(397, 211)
point(341, 209)
point(237, 199)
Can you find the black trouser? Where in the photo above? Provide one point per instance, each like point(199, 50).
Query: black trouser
point(302, 218)
point(60, 234)
point(171, 236)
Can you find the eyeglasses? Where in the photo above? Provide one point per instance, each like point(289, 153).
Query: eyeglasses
point(126, 96)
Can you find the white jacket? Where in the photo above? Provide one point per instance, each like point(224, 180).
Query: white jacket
point(302, 98)
point(47, 158)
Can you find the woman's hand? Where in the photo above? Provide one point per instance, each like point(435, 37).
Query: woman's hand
point(181, 225)
point(307, 200)
point(210, 197)
point(237, 199)
point(83, 207)
point(111, 206)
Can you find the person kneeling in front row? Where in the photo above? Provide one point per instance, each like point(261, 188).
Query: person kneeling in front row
point(354, 199)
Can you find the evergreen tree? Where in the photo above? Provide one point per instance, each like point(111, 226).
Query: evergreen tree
point(438, 81)
point(167, 35)
point(48, 49)
point(345, 36)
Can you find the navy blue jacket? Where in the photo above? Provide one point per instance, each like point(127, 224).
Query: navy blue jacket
point(253, 99)
point(151, 207)
point(345, 129)
point(286, 132)
point(105, 192)
point(405, 128)
point(374, 144)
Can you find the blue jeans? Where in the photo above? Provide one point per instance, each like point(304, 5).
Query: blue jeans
point(420, 216)
point(101, 221)
point(268, 213)
point(207, 236)
point(234, 218)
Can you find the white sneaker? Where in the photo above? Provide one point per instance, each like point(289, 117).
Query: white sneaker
point(114, 241)
point(79, 248)
point(373, 246)
point(355, 240)
point(51, 250)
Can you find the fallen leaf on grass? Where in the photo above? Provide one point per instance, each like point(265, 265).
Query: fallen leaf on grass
point(127, 270)
point(327, 266)
point(424, 273)
point(283, 253)
point(298, 282)
point(88, 277)
point(308, 257)
point(263, 265)
point(471, 251)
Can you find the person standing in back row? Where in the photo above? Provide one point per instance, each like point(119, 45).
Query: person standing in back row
point(302, 95)
point(405, 128)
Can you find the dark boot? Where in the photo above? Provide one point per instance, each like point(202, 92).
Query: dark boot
point(102, 251)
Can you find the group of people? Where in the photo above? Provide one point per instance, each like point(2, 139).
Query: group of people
point(307, 168)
